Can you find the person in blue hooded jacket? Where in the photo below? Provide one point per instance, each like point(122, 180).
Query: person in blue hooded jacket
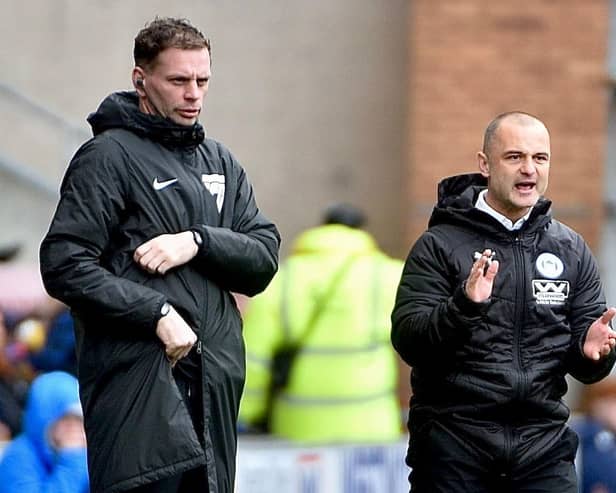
point(49, 456)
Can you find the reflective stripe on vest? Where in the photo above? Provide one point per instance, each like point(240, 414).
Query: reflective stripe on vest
point(333, 401)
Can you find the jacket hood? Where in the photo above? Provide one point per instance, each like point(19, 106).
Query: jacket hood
point(121, 110)
point(51, 396)
point(456, 204)
point(334, 237)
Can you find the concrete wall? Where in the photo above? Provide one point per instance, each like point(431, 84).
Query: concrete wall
point(309, 95)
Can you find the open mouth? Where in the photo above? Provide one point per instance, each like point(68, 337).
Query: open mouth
point(525, 186)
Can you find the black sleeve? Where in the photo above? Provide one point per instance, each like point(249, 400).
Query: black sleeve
point(432, 315)
point(243, 258)
point(92, 200)
point(587, 305)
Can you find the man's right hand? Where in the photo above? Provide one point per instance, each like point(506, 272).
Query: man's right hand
point(478, 286)
point(176, 335)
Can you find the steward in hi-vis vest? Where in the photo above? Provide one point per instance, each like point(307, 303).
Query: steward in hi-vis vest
point(332, 301)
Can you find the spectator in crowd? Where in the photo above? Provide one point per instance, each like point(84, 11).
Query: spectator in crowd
point(36, 345)
point(327, 315)
point(155, 227)
point(58, 350)
point(12, 394)
point(497, 303)
point(596, 428)
point(50, 454)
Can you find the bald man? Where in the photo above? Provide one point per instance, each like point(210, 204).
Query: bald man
point(498, 301)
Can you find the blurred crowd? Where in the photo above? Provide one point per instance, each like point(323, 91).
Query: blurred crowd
point(42, 437)
point(595, 424)
point(36, 336)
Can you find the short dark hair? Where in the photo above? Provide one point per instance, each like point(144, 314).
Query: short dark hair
point(493, 126)
point(345, 214)
point(163, 33)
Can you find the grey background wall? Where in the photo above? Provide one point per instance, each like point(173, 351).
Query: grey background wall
point(310, 95)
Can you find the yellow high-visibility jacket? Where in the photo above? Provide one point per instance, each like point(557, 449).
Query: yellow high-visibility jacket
point(343, 382)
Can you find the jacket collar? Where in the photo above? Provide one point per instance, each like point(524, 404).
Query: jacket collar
point(457, 196)
point(121, 110)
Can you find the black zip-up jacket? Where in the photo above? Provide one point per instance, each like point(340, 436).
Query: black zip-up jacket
point(504, 360)
point(139, 177)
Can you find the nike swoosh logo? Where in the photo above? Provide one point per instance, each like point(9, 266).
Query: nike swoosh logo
point(159, 185)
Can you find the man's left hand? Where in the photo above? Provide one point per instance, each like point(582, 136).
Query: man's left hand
point(165, 252)
point(600, 339)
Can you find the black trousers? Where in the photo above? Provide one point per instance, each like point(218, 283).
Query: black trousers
point(447, 462)
point(193, 480)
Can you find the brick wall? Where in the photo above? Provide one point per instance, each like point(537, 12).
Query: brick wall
point(472, 59)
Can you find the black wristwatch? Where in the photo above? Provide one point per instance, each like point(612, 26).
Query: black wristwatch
point(165, 309)
point(197, 238)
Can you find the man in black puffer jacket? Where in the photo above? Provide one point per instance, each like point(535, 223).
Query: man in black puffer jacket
point(155, 227)
point(497, 303)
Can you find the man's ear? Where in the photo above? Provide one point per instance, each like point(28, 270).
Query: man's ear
point(483, 164)
point(138, 77)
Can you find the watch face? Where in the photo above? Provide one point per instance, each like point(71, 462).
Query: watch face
point(165, 309)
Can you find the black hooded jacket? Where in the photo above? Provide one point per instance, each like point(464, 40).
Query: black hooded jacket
point(139, 177)
point(504, 360)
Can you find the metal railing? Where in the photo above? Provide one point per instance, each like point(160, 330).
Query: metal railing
point(27, 175)
point(72, 133)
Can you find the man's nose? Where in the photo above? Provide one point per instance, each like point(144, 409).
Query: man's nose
point(193, 91)
point(528, 166)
